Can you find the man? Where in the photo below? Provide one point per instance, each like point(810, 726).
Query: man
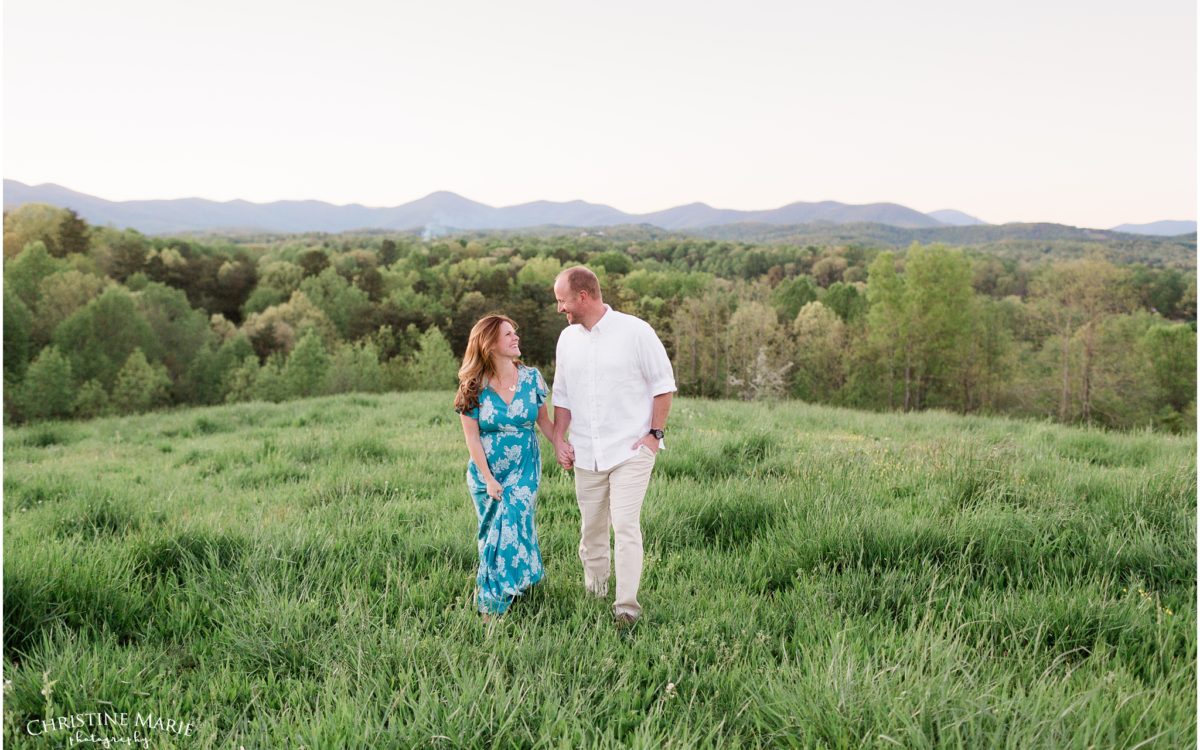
point(613, 385)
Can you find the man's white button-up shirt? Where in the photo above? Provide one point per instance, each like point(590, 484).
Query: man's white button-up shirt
point(608, 377)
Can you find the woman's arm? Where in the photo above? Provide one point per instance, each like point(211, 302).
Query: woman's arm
point(545, 425)
point(475, 448)
point(562, 449)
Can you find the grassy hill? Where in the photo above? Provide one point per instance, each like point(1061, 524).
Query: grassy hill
point(302, 574)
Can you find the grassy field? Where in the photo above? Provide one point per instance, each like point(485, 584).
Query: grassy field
point(302, 574)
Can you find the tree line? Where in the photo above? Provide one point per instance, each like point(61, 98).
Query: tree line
point(99, 320)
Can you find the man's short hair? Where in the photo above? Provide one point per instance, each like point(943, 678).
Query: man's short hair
point(581, 279)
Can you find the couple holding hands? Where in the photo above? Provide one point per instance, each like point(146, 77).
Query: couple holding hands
point(613, 385)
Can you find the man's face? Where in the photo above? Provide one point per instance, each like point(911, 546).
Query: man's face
point(568, 301)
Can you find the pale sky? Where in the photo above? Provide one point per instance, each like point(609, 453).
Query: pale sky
point(1081, 113)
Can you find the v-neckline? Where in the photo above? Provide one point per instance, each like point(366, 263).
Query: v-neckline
point(517, 387)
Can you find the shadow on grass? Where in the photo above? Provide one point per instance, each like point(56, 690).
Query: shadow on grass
point(100, 517)
point(175, 557)
point(753, 455)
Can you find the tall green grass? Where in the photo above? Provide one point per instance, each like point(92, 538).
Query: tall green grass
point(302, 574)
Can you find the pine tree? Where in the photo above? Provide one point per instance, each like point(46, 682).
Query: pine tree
point(73, 234)
point(388, 253)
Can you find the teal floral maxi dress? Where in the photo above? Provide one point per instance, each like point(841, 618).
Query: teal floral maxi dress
point(509, 559)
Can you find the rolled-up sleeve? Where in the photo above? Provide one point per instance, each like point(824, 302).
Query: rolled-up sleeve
point(655, 364)
point(558, 392)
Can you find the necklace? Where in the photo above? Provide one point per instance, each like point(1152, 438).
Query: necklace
point(512, 388)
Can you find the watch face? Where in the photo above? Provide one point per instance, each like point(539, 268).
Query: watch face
point(657, 433)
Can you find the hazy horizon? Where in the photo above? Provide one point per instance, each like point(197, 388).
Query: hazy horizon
point(610, 204)
point(1072, 113)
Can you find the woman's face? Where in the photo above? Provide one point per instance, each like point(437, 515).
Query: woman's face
point(508, 343)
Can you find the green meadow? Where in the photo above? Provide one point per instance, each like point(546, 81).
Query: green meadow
point(301, 575)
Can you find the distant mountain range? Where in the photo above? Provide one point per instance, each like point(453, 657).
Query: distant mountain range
point(954, 218)
point(444, 211)
point(1159, 228)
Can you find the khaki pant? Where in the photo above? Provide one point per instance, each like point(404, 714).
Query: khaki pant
point(614, 497)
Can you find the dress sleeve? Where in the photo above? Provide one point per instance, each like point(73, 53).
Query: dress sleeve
point(472, 413)
point(539, 387)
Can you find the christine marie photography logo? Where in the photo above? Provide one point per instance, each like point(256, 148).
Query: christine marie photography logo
point(99, 728)
point(106, 729)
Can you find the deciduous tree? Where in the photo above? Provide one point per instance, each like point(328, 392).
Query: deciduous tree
point(820, 346)
point(100, 337)
point(434, 366)
point(140, 385)
point(307, 368)
point(48, 390)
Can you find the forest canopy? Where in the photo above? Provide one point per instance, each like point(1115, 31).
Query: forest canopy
point(99, 320)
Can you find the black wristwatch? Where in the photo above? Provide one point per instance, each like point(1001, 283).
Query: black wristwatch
point(658, 434)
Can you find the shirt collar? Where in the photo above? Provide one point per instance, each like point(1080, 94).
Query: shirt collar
point(608, 315)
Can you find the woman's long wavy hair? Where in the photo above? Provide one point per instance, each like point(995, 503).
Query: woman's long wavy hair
point(478, 364)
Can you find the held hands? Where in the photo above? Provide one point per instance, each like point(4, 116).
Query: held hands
point(494, 490)
point(564, 452)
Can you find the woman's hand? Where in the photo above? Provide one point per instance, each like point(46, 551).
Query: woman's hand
point(494, 490)
point(564, 453)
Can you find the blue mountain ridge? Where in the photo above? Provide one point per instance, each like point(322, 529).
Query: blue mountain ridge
point(445, 210)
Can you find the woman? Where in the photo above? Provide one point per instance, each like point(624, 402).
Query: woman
point(499, 401)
